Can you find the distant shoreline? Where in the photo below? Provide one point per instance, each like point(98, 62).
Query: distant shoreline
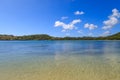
point(48, 37)
point(59, 40)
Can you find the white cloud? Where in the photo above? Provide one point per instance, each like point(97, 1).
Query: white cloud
point(112, 21)
point(106, 33)
point(58, 23)
point(65, 26)
point(64, 17)
point(75, 21)
point(90, 26)
point(80, 31)
point(78, 12)
point(116, 13)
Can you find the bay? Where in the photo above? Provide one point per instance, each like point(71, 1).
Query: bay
point(60, 60)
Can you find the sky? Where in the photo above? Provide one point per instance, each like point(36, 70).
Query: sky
point(60, 17)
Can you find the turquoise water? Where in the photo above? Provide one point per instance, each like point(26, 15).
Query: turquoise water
point(60, 60)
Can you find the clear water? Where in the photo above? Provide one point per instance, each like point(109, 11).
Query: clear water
point(60, 60)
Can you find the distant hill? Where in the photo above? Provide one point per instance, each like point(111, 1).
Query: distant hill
point(114, 37)
point(47, 37)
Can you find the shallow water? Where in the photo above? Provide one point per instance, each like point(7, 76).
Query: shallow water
point(60, 60)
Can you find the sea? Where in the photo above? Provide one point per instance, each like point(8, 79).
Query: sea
point(60, 60)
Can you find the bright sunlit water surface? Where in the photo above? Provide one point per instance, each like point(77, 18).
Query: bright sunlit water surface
point(60, 60)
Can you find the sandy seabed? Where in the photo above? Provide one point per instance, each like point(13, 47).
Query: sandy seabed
point(61, 67)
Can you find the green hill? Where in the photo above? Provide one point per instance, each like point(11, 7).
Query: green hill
point(114, 37)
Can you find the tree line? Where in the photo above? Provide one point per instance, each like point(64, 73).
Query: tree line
point(48, 37)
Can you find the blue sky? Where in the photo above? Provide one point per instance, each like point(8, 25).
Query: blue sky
point(60, 17)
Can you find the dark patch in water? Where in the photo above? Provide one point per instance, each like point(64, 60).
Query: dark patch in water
point(40, 46)
point(118, 62)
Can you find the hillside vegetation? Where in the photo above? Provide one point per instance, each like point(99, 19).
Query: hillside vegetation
point(47, 37)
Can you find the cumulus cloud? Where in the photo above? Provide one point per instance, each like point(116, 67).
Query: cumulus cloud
point(116, 13)
point(106, 33)
point(58, 23)
point(112, 21)
point(69, 26)
point(75, 21)
point(64, 17)
point(90, 26)
point(78, 12)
